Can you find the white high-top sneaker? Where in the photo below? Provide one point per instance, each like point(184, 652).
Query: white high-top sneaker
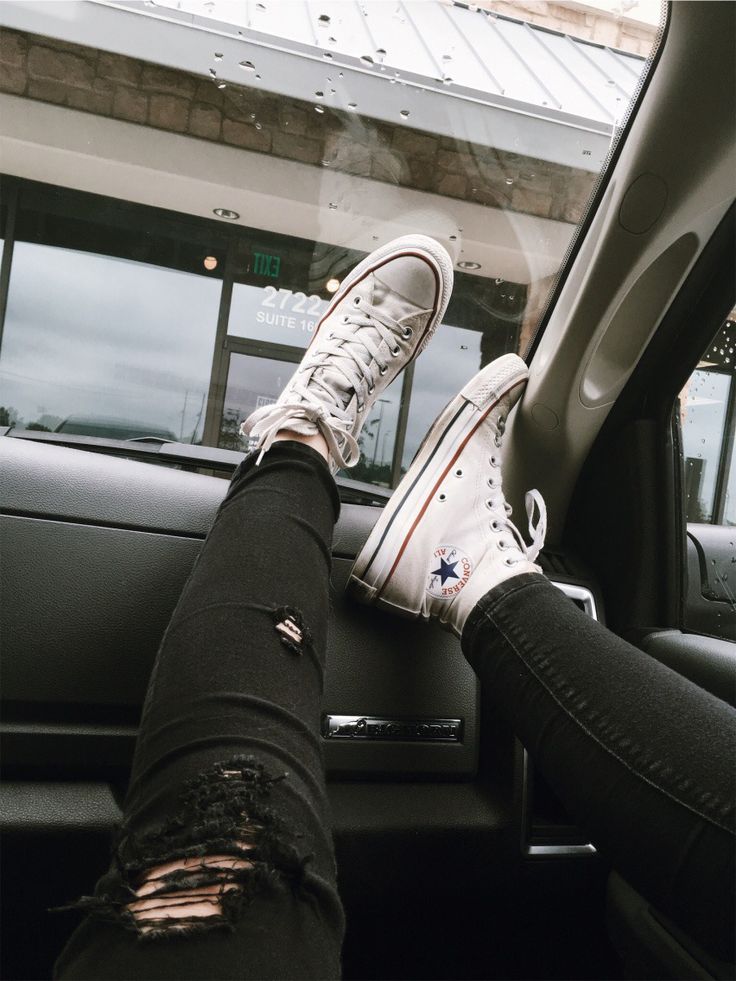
point(445, 538)
point(383, 315)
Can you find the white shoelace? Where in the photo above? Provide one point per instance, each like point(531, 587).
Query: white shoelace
point(533, 501)
point(320, 400)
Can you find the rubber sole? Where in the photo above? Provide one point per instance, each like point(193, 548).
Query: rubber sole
point(445, 441)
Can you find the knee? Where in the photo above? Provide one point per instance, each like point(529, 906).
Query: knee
point(202, 867)
point(175, 896)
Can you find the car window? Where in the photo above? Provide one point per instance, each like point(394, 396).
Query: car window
point(707, 409)
point(486, 126)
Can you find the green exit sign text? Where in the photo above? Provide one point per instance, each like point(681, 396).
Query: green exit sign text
point(266, 265)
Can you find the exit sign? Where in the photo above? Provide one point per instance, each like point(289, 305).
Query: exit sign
point(266, 265)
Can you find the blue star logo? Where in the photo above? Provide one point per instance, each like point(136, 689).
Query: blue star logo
point(446, 571)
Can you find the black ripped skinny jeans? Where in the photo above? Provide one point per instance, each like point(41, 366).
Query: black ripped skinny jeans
point(229, 749)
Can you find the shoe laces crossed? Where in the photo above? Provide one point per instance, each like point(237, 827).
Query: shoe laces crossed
point(357, 358)
point(533, 501)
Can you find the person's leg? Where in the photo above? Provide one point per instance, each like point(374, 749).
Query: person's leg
point(223, 867)
point(227, 781)
point(643, 758)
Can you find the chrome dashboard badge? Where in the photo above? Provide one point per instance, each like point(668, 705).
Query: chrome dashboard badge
point(400, 730)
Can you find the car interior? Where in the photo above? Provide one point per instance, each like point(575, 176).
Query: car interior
point(455, 859)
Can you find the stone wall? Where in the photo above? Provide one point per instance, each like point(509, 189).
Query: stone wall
point(581, 21)
point(138, 92)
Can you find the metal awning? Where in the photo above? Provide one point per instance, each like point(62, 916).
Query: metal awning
point(439, 67)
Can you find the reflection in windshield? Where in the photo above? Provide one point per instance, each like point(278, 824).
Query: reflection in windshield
point(107, 339)
point(291, 139)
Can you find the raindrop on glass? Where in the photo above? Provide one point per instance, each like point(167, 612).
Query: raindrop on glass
point(222, 85)
point(327, 54)
point(319, 95)
point(218, 56)
point(404, 113)
point(323, 20)
point(252, 115)
point(498, 281)
point(366, 59)
point(332, 40)
point(260, 6)
point(341, 75)
point(247, 66)
point(213, 73)
point(333, 206)
point(352, 106)
point(259, 126)
point(319, 109)
point(447, 57)
point(509, 180)
point(447, 80)
point(453, 238)
point(380, 53)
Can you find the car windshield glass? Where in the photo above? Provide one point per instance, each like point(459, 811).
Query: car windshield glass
point(208, 172)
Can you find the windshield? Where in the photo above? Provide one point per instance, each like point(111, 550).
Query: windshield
point(206, 173)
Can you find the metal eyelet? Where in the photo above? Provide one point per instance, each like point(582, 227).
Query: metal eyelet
point(356, 301)
point(503, 546)
point(495, 526)
point(491, 483)
point(345, 319)
point(395, 352)
point(508, 562)
point(497, 441)
point(458, 472)
point(361, 408)
point(407, 332)
point(382, 371)
point(489, 504)
point(371, 390)
point(493, 461)
point(442, 497)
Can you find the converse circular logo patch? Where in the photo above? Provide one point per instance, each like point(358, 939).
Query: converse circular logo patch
point(449, 571)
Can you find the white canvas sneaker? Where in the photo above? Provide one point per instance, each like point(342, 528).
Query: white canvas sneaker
point(382, 317)
point(445, 538)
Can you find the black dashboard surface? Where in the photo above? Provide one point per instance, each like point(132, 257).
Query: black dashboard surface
point(95, 552)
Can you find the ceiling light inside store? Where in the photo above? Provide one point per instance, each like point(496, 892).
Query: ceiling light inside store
point(468, 265)
point(226, 213)
point(332, 285)
point(210, 262)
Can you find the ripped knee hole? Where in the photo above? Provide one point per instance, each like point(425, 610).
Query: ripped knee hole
point(174, 893)
point(203, 866)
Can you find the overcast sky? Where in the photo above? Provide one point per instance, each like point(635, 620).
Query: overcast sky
point(92, 335)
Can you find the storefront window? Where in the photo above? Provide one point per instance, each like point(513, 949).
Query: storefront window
point(108, 347)
point(281, 316)
point(251, 383)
